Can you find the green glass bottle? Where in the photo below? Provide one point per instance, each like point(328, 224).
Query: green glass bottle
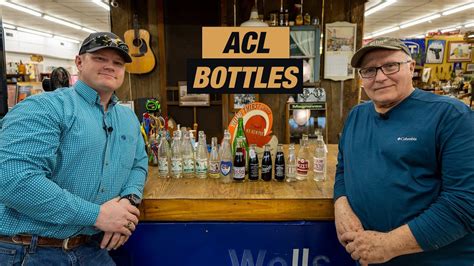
point(240, 134)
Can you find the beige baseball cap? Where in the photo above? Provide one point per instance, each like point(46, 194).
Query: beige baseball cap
point(378, 43)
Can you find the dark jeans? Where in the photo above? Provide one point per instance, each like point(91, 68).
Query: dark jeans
point(33, 255)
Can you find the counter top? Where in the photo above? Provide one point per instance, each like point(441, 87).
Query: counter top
point(193, 199)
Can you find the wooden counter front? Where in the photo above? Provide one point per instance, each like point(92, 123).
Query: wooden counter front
point(193, 199)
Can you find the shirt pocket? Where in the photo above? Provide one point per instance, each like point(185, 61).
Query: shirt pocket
point(128, 147)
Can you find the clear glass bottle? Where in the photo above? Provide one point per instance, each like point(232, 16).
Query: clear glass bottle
point(291, 164)
point(302, 160)
point(201, 156)
point(163, 157)
point(226, 159)
point(319, 160)
point(176, 157)
point(214, 161)
point(188, 156)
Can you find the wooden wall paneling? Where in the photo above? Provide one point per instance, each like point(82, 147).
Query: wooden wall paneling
point(353, 12)
point(143, 85)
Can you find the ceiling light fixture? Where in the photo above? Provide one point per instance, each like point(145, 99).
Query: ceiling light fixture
point(101, 4)
point(418, 21)
point(379, 7)
point(457, 9)
point(62, 22)
point(420, 36)
point(44, 34)
point(469, 25)
point(8, 26)
point(87, 30)
point(385, 31)
point(447, 30)
point(65, 39)
point(22, 9)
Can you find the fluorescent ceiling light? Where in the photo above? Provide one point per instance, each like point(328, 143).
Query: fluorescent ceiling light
point(457, 9)
point(101, 4)
point(379, 7)
point(8, 26)
point(62, 22)
point(88, 30)
point(447, 30)
point(421, 36)
point(34, 32)
point(385, 31)
point(469, 25)
point(22, 9)
point(418, 21)
point(65, 39)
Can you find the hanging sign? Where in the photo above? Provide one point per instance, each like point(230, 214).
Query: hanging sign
point(250, 60)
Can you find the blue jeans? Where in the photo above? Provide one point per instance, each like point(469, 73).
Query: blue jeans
point(33, 255)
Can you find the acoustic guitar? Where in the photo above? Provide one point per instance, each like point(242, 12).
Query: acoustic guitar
point(138, 41)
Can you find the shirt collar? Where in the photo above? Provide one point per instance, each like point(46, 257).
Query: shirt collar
point(90, 95)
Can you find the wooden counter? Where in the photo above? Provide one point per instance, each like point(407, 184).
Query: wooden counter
point(192, 199)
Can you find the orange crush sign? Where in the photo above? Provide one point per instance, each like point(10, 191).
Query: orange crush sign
point(258, 122)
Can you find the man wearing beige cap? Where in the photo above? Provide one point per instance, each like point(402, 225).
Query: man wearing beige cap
point(404, 190)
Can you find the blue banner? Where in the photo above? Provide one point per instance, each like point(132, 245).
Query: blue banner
point(417, 49)
point(234, 244)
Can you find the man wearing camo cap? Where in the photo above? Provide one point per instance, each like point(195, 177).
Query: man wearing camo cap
point(72, 166)
point(405, 174)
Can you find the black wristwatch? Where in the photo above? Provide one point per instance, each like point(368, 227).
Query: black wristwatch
point(134, 199)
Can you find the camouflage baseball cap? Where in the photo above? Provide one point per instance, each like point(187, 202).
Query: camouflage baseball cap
point(378, 43)
point(100, 40)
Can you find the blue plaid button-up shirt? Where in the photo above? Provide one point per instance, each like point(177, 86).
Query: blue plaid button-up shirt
point(58, 163)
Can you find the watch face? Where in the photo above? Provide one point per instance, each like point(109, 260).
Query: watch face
point(134, 199)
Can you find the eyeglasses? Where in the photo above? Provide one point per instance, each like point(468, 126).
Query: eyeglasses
point(387, 69)
point(104, 41)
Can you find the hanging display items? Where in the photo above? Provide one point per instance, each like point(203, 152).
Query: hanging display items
point(238, 101)
point(339, 48)
point(459, 52)
point(417, 49)
point(435, 51)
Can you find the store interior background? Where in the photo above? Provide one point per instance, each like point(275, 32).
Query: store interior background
point(175, 36)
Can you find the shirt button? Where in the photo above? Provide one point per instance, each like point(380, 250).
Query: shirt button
point(102, 190)
point(106, 163)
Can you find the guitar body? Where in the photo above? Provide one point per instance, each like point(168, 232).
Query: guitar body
point(143, 59)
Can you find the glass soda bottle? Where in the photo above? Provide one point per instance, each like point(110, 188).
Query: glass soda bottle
point(201, 156)
point(253, 163)
point(291, 164)
point(163, 157)
point(214, 162)
point(240, 134)
point(280, 164)
point(266, 174)
point(239, 162)
point(319, 160)
point(176, 157)
point(302, 160)
point(226, 158)
point(188, 156)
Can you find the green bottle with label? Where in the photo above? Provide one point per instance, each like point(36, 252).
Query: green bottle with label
point(240, 134)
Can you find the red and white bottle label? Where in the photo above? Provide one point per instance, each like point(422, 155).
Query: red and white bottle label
point(302, 166)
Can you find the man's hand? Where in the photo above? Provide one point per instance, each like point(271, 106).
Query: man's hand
point(117, 217)
point(345, 218)
point(368, 246)
point(113, 240)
